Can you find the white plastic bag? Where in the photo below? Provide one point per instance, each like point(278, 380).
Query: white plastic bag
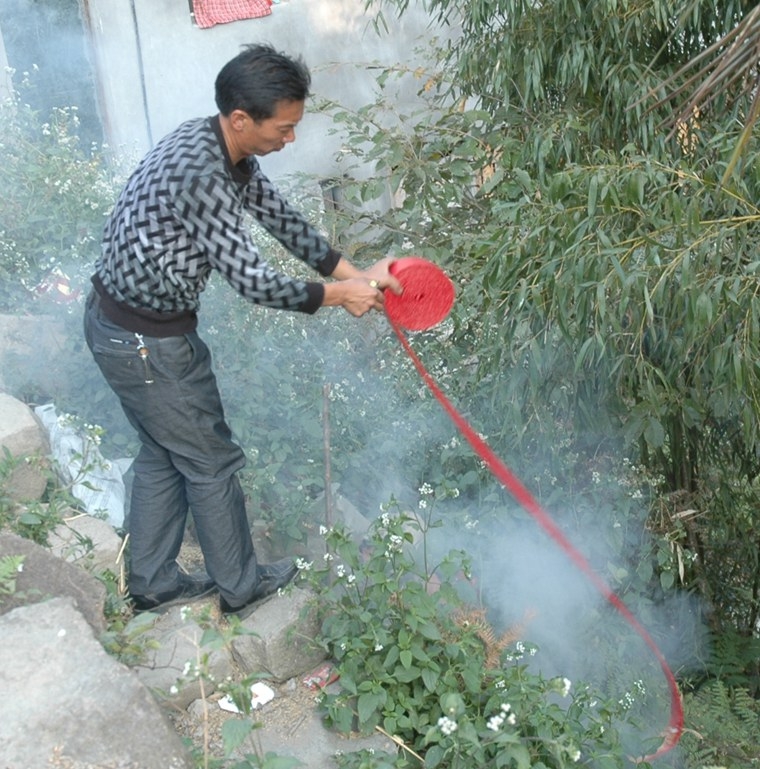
point(96, 482)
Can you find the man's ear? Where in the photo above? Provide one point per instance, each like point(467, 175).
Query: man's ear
point(237, 119)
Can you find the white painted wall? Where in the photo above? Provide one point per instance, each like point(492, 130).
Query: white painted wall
point(156, 68)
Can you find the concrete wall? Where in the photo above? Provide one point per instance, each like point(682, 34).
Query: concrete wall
point(5, 79)
point(156, 67)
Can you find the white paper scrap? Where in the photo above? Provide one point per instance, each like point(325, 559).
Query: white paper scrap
point(260, 695)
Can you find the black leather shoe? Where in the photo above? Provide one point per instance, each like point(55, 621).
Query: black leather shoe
point(272, 576)
point(192, 587)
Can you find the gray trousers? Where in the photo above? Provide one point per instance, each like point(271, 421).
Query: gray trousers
point(187, 459)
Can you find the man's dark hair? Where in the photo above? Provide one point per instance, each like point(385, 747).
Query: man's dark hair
point(259, 77)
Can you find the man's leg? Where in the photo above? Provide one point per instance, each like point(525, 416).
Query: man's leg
point(156, 521)
point(180, 420)
point(208, 460)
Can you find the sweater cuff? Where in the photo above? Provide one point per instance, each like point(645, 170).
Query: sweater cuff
point(316, 295)
point(329, 262)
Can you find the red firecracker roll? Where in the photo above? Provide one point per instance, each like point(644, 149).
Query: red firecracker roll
point(428, 294)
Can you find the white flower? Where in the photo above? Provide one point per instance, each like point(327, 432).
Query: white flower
point(351, 578)
point(575, 755)
point(173, 689)
point(303, 565)
point(494, 723)
point(566, 684)
point(627, 701)
point(340, 570)
point(322, 531)
point(378, 647)
point(328, 557)
point(447, 725)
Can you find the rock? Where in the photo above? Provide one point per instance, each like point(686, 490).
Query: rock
point(281, 642)
point(45, 576)
point(176, 646)
point(87, 542)
point(29, 343)
point(67, 703)
point(22, 435)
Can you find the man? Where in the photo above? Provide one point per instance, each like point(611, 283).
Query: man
point(181, 215)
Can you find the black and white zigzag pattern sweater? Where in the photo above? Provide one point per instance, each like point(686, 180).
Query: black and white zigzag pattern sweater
point(183, 213)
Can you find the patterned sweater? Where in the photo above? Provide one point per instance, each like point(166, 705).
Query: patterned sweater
point(183, 213)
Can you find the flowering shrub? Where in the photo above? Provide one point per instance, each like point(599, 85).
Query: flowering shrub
point(56, 195)
point(419, 663)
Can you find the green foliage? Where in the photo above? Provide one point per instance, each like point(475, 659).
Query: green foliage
point(125, 639)
point(723, 727)
point(10, 566)
point(570, 72)
point(31, 519)
point(733, 654)
point(418, 660)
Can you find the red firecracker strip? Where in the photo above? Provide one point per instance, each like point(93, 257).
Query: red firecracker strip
point(427, 303)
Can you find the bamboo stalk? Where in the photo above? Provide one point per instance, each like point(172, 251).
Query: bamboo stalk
point(326, 447)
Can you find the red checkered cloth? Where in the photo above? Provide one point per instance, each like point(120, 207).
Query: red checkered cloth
point(210, 12)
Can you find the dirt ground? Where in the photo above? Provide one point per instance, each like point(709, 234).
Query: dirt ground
point(292, 705)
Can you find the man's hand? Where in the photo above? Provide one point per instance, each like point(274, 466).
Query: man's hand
point(380, 274)
point(359, 291)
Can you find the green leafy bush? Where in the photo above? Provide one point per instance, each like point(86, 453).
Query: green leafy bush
point(420, 661)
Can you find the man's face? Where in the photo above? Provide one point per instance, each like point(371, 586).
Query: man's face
point(271, 135)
